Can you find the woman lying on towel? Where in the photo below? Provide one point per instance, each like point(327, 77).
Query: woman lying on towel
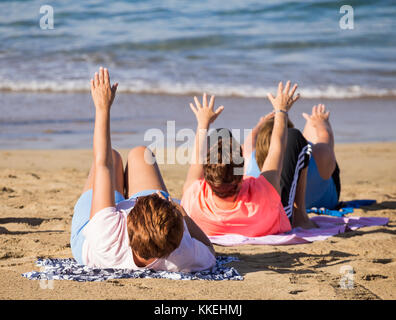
point(222, 200)
point(323, 177)
point(147, 230)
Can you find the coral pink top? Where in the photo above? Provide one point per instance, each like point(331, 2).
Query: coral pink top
point(258, 210)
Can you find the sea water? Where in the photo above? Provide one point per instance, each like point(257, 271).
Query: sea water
point(163, 52)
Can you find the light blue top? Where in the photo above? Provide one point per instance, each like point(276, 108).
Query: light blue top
point(319, 193)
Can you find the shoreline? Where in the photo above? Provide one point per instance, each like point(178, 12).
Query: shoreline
point(65, 121)
point(86, 90)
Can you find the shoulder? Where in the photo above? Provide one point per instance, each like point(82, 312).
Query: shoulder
point(106, 241)
point(260, 181)
point(105, 214)
point(258, 186)
point(197, 184)
point(193, 190)
point(105, 223)
point(126, 205)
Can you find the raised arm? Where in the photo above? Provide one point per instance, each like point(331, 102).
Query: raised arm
point(273, 164)
point(205, 115)
point(103, 181)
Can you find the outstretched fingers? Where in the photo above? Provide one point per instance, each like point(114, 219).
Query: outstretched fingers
point(319, 109)
point(280, 88)
point(314, 110)
point(296, 97)
point(205, 100)
point(211, 102)
point(306, 116)
point(218, 111)
point(271, 98)
point(197, 103)
point(287, 88)
point(101, 75)
point(293, 90)
point(193, 109)
point(318, 112)
point(96, 79)
point(205, 112)
point(106, 77)
point(326, 113)
point(205, 103)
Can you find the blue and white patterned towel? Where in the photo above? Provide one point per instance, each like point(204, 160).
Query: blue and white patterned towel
point(69, 269)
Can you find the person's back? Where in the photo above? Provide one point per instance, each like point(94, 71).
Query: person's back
point(148, 229)
point(226, 202)
point(257, 210)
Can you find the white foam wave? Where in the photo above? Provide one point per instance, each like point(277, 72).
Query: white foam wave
point(177, 88)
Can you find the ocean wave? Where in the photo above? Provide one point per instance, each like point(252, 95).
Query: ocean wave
point(189, 88)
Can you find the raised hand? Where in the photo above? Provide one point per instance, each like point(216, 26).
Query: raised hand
point(103, 93)
point(284, 98)
point(205, 112)
point(319, 116)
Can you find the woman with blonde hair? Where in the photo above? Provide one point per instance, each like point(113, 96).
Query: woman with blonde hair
point(323, 176)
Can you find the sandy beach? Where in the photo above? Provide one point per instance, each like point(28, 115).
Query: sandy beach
point(162, 53)
point(38, 190)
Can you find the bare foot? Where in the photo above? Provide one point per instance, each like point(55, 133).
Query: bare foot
point(318, 125)
point(301, 219)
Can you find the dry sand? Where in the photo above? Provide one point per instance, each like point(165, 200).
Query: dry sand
point(38, 190)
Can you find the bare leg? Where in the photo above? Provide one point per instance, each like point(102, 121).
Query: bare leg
point(318, 131)
point(118, 174)
point(300, 217)
point(141, 175)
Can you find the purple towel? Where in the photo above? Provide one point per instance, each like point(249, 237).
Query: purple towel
point(328, 226)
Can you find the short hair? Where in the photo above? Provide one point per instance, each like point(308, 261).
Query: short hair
point(264, 139)
point(155, 227)
point(223, 169)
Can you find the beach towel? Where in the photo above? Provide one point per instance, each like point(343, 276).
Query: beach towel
point(328, 226)
point(69, 269)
